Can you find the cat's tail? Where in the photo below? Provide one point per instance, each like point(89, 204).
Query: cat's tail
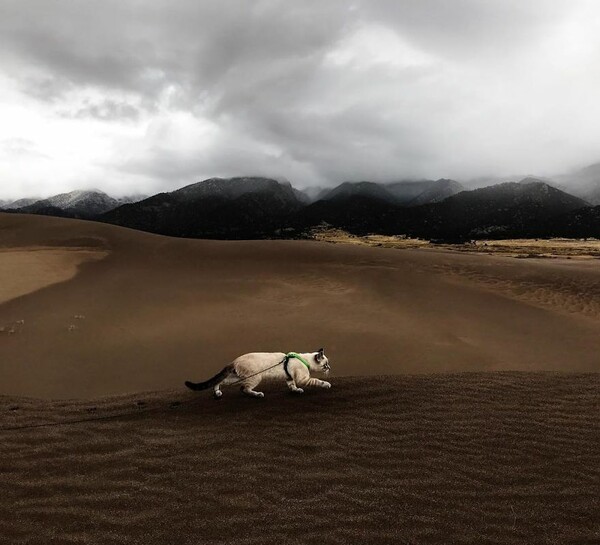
point(218, 378)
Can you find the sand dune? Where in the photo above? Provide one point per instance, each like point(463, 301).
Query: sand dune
point(503, 458)
point(159, 310)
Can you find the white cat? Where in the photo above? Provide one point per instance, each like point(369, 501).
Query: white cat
point(250, 369)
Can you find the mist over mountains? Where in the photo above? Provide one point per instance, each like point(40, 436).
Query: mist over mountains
point(256, 207)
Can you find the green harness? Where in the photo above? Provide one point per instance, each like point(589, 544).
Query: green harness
point(290, 356)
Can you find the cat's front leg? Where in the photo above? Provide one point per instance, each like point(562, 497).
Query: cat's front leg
point(320, 383)
point(292, 386)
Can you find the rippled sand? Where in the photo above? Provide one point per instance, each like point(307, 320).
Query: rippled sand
point(504, 458)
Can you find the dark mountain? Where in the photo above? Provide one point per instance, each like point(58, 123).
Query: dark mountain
point(359, 207)
point(357, 214)
point(368, 190)
point(581, 223)
point(251, 207)
point(232, 188)
point(501, 211)
point(215, 208)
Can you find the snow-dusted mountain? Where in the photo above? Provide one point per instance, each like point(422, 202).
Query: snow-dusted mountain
point(241, 207)
point(233, 188)
point(78, 203)
point(20, 203)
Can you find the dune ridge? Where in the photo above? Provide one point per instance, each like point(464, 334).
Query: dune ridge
point(504, 458)
point(40, 267)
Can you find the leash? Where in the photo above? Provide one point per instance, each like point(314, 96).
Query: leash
point(258, 373)
point(285, 360)
point(173, 405)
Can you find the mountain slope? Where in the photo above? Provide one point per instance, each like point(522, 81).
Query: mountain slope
point(355, 213)
point(407, 191)
point(580, 223)
point(437, 192)
point(214, 208)
point(253, 207)
point(504, 210)
point(79, 203)
point(369, 190)
point(20, 203)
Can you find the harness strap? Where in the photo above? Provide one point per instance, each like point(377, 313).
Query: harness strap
point(289, 356)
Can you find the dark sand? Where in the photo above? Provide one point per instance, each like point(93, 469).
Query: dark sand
point(502, 458)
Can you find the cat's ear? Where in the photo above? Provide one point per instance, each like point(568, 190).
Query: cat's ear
point(320, 354)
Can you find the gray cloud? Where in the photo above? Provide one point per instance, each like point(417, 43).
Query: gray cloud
point(318, 92)
point(106, 110)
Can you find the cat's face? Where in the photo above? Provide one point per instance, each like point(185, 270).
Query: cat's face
point(322, 362)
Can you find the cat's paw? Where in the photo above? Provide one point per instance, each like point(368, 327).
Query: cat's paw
point(260, 394)
point(298, 391)
point(217, 394)
point(326, 384)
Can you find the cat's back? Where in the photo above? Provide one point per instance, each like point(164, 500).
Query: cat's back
point(253, 361)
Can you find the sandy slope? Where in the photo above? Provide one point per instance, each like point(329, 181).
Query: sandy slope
point(159, 310)
point(503, 458)
point(39, 267)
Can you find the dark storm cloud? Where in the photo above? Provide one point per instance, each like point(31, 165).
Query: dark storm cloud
point(318, 92)
point(146, 46)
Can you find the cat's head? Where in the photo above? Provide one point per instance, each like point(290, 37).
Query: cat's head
point(321, 363)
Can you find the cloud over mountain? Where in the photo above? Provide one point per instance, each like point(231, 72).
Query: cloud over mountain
point(135, 96)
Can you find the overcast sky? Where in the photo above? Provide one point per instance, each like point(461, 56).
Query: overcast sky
point(135, 96)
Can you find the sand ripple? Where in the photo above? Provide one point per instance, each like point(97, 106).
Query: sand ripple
point(501, 458)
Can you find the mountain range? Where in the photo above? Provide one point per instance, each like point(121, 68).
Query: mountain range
point(256, 207)
point(86, 204)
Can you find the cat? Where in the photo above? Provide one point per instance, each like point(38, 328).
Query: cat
point(250, 369)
